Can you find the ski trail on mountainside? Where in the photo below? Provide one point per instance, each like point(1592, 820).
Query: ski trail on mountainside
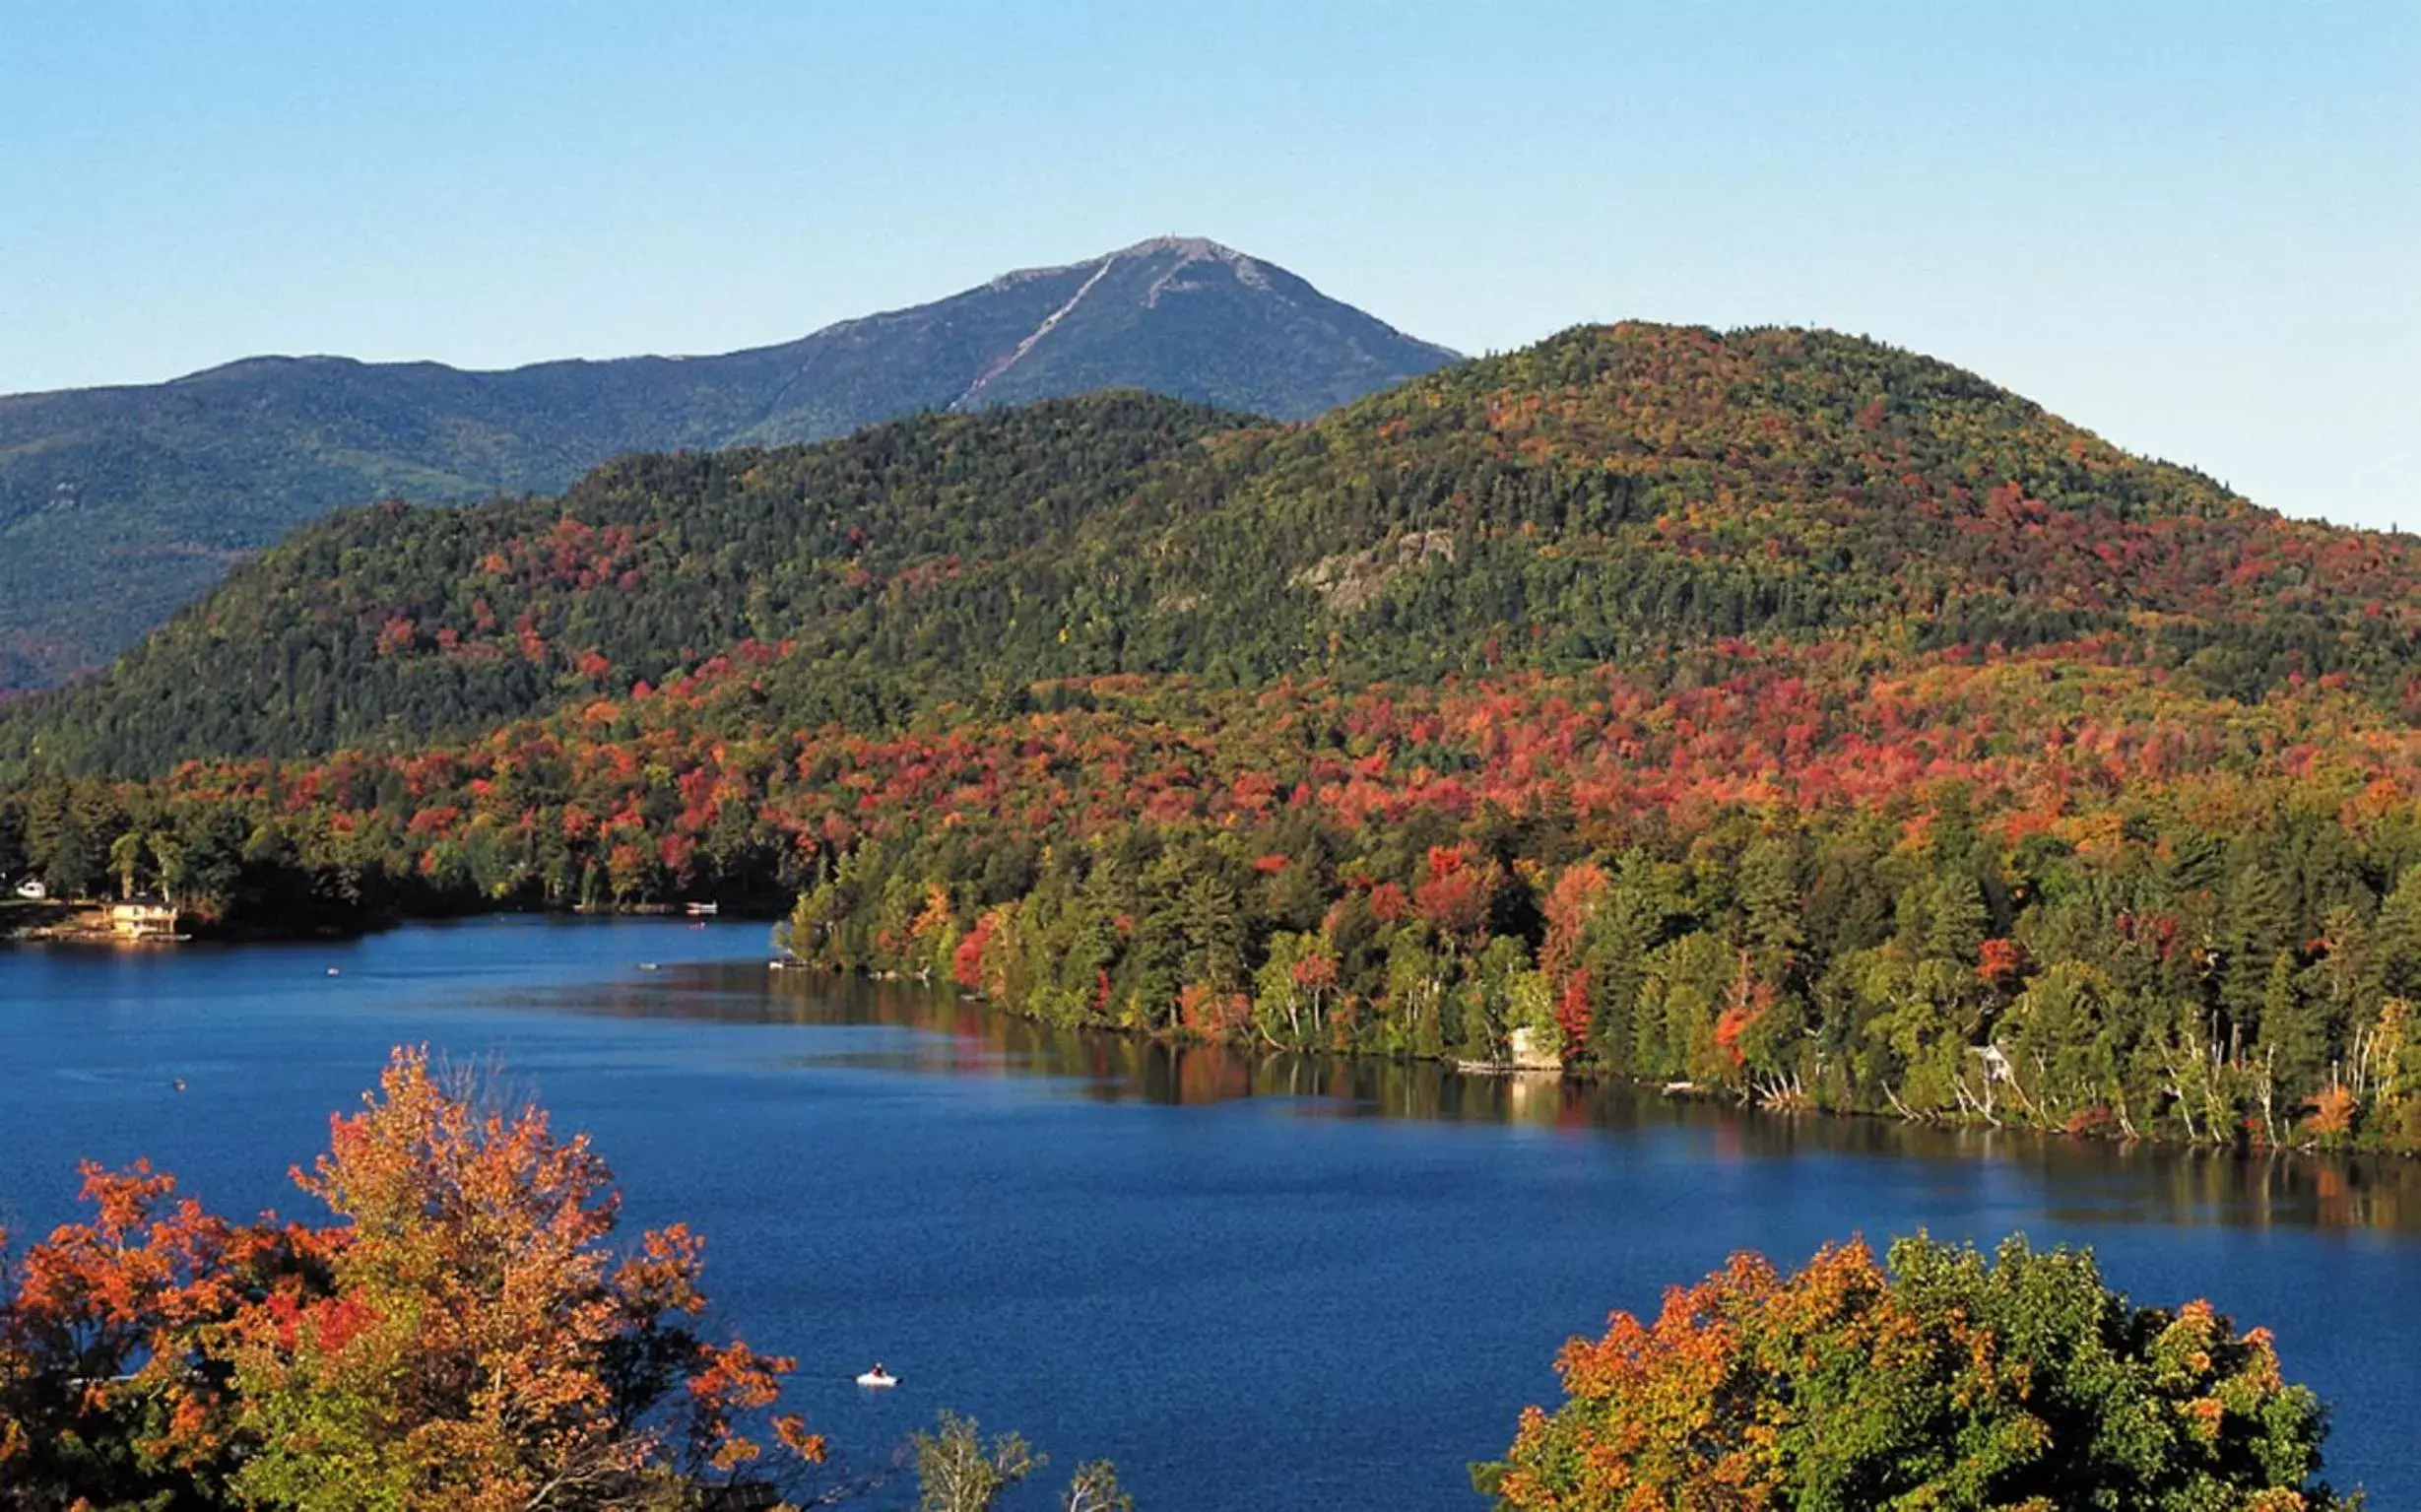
point(1038, 333)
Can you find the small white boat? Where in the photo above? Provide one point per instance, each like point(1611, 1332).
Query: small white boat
point(333, 972)
point(648, 966)
point(878, 1378)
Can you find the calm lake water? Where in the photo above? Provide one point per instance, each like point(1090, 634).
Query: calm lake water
point(1251, 1283)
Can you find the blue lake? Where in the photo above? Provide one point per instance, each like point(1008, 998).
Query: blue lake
point(1251, 1283)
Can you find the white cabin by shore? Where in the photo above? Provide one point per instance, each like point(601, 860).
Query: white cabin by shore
point(143, 921)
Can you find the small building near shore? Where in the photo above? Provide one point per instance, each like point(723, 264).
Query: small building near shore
point(143, 921)
point(1527, 1051)
point(1533, 1051)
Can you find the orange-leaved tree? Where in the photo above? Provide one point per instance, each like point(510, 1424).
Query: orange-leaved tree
point(465, 1335)
point(1947, 1381)
point(106, 1393)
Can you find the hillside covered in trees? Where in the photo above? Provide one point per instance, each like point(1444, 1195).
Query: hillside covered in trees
point(118, 505)
point(1771, 711)
point(391, 624)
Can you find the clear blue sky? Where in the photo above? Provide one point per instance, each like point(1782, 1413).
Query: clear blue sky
point(2195, 228)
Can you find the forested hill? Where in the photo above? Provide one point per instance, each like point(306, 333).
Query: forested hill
point(396, 625)
point(119, 504)
point(1611, 493)
point(1772, 712)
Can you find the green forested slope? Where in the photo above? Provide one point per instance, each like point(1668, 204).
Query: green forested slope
point(397, 624)
point(1611, 493)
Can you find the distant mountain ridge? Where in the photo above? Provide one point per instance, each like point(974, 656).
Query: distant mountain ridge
point(119, 504)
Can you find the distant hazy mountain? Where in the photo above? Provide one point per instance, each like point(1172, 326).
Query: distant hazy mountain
point(119, 504)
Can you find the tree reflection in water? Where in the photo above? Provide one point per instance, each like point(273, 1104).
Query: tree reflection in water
point(2086, 1180)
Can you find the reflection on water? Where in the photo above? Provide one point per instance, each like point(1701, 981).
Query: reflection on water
point(2087, 1181)
point(1132, 1250)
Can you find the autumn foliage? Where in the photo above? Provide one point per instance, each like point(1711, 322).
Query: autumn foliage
point(1769, 712)
point(464, 1336)
point(1947, 1381)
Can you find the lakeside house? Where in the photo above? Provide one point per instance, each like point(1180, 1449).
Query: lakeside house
point(139, 922)
point(1526, 1050)
point(1532, 1051)
point(143, 921)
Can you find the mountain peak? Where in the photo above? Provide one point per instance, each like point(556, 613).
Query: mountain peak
point(1184, 317)
point(1184, 250)
point(1191, 246)
point(1189, 249)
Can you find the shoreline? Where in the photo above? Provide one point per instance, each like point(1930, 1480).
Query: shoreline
point(2352, 1187)
point(1746, 1100)
point(68, 924)
point(46, 929)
